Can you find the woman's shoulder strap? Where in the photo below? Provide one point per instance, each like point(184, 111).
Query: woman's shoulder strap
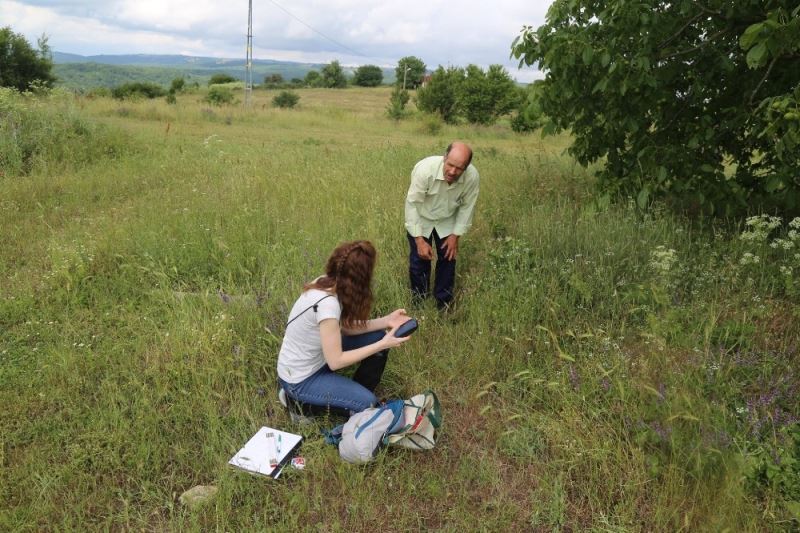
point(314, 306)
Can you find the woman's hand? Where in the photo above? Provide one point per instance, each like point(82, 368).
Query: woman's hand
point(390, 341)
point(396, 318)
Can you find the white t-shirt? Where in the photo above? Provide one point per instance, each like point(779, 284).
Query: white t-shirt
point(301, 351)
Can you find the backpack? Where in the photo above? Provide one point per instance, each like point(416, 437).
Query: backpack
point(360, 438)
point(423, 417)
point(409, 424)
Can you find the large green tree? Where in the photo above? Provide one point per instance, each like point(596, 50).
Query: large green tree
point(410, 69)
point(313, 79)
point(368, 76)
point(441, 94)
point(21, 65)
point(485, 96)
point(333, 76)
point(693, 100)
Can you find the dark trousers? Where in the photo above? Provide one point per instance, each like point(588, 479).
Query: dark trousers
point(419, 271)
point(370, 370)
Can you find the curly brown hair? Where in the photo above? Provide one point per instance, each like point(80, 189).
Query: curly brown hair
point(348, 274)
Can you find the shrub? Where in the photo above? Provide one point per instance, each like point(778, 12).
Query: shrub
point(313, 79)
point(528, 116)
point(431, 124)
point(440, 96)
point(218, 79)
point(333, 76)
point(485, 96)
point(397, 103)
point(137, 89)
point(273, 81)
point(286, 99)
point(368, 76)
point(219, 96)
point(99, 92)
point(177, 85)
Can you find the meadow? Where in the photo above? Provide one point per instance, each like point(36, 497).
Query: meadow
point(603, 369)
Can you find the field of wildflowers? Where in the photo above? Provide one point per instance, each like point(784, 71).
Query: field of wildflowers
point(603, 368)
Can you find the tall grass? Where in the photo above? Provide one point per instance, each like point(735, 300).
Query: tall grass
point(603, 369)
point(47, 133)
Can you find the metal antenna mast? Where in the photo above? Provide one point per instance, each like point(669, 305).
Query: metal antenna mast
point(248, 77)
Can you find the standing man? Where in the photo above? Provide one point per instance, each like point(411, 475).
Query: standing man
point(439, 207)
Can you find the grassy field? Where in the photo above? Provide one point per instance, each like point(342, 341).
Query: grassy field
point(603, 369)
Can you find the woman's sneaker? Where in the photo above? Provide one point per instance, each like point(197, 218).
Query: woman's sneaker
point(295, 415)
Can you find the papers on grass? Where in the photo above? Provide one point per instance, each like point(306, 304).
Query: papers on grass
point(267, 452)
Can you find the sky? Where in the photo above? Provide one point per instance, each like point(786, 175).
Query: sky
point(355, 32)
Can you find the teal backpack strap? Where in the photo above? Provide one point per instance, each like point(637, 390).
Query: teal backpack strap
point(435, 413)
point(333, 436)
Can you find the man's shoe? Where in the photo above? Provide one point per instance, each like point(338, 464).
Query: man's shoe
point(443, 306)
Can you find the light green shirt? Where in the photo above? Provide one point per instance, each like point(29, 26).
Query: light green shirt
point(433, 204)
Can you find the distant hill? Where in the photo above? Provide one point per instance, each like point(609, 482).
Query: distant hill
point(85, 72)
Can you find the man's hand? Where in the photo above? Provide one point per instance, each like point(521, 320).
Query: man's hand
point(424, 250)
point(450, 247)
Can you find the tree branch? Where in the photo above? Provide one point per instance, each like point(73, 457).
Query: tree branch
point(707, 10)
point(760, 83)
point(695, 48)
point(677, 33)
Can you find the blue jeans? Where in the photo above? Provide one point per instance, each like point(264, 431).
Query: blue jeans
point(325, 390)
point(419, 271)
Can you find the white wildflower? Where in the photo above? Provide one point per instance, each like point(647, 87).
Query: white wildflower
point(749, 259)
point(662, 259)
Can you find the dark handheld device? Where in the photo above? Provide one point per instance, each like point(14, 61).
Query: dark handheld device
point(407, 328)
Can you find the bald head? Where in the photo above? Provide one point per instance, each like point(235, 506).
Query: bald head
point(457, 158)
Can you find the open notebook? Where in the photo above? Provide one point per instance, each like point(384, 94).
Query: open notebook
point(267, 452)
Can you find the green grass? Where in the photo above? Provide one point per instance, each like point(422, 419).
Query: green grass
point(589, 379)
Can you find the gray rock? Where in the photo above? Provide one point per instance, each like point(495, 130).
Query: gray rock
point(198, 496)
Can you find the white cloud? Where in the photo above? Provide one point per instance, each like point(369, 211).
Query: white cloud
point(357, 31)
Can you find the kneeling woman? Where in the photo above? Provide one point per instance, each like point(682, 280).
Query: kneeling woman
point(328, 330)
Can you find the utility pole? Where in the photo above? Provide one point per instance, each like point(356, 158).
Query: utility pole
point(248, 76)
point(404, 77)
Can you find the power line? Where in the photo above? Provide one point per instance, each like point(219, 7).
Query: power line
point(310, 27)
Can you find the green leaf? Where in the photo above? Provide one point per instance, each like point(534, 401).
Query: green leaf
point(642, 198)
point(756, 55)
point(600, 85)
point(605, 59)
point(774, 183)
point(588, 54)
point(750, 35)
